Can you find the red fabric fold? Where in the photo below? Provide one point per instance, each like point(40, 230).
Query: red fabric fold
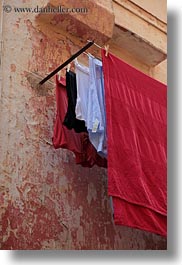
point(136, 216)
point(78, 143)
point(137, 133)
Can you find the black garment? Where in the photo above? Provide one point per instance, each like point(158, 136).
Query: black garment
point(70, 120)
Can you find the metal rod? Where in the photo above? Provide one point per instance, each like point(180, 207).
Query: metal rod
point(66, 62)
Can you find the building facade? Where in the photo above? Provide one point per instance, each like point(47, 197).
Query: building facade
point(46, 200)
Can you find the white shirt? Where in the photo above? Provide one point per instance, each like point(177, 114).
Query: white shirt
point(82, 80)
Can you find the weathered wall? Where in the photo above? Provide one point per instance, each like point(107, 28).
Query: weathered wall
point(157, 8)
point(46, 201)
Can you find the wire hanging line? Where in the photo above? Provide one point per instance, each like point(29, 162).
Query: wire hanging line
point(89, 44)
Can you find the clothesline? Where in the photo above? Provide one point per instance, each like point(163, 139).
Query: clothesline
point(66, 62)
point(88, 45)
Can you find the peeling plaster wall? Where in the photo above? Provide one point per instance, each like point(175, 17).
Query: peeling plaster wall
point(46, 201)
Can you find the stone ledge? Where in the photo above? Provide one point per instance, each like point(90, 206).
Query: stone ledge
point(145, 38)
point(119, 23)
point(97, 24)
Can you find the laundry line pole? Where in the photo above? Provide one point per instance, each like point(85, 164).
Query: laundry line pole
point(90, 43)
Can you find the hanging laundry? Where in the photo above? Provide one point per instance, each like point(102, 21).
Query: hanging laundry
point(64, 138)
point(90, 105)
point(136, 127)
point(82, 80)
point(70, 120)
point(96, 115)
point(78, 143)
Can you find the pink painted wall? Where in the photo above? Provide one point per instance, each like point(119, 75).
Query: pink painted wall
point(46, 200)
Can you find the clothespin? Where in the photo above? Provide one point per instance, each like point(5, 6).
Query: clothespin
point(59, 75)
point(68, 68)
point(106, 49)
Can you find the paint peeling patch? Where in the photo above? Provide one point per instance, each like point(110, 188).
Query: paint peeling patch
point(29, 230)
point(17, 24)
point(13, 67)
point(92, 193)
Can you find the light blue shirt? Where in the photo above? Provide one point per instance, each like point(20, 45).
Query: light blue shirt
point(90, 105)
point(96, 114)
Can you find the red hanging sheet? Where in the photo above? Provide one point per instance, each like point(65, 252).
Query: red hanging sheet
point(136, 130)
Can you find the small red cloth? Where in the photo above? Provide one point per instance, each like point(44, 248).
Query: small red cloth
point(78, 143)
point(137, 133)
